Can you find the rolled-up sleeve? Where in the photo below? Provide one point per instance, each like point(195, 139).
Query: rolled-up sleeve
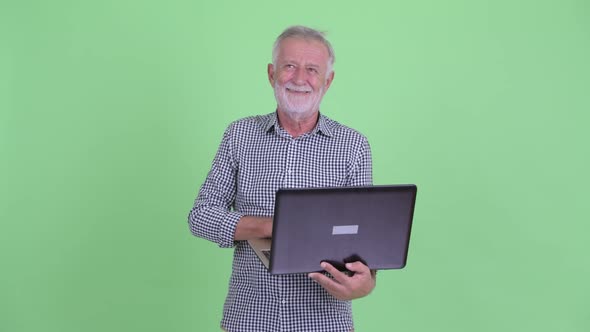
point(212, 217)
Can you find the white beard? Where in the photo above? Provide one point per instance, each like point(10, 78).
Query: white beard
point(297, 106)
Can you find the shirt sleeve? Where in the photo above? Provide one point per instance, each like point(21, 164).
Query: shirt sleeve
point(362, 169)
point(212, 217)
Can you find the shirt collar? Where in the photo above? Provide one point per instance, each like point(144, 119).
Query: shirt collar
point(323, 125)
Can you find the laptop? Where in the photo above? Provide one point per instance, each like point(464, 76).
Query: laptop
point(370, 224)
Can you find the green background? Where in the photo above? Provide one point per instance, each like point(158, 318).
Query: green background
point(111, 112)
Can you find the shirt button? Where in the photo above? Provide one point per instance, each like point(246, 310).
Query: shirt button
point(283, 301)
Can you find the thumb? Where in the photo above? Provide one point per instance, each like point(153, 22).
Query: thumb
point(357, 267)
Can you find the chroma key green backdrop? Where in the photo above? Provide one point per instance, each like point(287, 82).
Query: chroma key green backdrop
point(111, 112)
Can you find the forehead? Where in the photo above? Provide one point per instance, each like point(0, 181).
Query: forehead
point(303, 50)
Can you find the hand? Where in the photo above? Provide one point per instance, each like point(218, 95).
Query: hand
point(253, 227)
point(344, 287)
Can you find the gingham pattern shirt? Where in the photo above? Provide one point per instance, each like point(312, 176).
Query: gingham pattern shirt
point(256, 157)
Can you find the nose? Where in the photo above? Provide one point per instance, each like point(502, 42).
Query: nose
point(300, 76)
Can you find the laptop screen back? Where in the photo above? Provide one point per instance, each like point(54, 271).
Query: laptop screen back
point(340, 225)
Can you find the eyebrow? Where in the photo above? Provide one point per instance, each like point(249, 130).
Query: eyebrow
point(312, 65)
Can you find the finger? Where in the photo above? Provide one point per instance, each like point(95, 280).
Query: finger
point(358, 267)
point(330, 285)
point(338, 276)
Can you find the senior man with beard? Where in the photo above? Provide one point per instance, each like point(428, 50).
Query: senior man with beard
point(293, 147)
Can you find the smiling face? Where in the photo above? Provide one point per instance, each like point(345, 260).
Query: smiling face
point(300, 76)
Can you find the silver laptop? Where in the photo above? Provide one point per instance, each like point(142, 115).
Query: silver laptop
point(339, 225)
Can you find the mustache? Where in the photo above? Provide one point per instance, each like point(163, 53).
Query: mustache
point(298, 88)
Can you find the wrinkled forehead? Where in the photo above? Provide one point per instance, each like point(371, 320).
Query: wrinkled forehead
point(302, 49)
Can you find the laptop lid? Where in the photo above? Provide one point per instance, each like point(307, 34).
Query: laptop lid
point(344, 224)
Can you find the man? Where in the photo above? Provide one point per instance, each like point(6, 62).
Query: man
point(294, 147)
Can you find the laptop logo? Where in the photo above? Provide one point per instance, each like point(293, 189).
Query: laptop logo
point(345, 229)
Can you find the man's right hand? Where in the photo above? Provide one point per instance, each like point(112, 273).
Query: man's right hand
point(253, 227)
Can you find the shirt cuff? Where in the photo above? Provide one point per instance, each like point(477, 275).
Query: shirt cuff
point(227, 230)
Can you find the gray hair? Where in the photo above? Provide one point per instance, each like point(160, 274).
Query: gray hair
point(299, 31)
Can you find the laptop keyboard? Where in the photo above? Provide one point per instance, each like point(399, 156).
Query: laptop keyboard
point(266, 253)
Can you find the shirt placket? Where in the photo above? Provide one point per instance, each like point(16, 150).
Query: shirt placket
point(289, 181)
point(290, 164)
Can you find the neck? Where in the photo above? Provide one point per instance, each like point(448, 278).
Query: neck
point(299, 124)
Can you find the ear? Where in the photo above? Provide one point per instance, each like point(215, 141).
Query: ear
point(329, 80)
point(270, 69)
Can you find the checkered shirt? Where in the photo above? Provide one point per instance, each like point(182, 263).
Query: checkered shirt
point(255, 158)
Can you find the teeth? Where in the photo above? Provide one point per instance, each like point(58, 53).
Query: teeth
point(298, 90)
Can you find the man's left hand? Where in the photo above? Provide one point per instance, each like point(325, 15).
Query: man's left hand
point(344, 287)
